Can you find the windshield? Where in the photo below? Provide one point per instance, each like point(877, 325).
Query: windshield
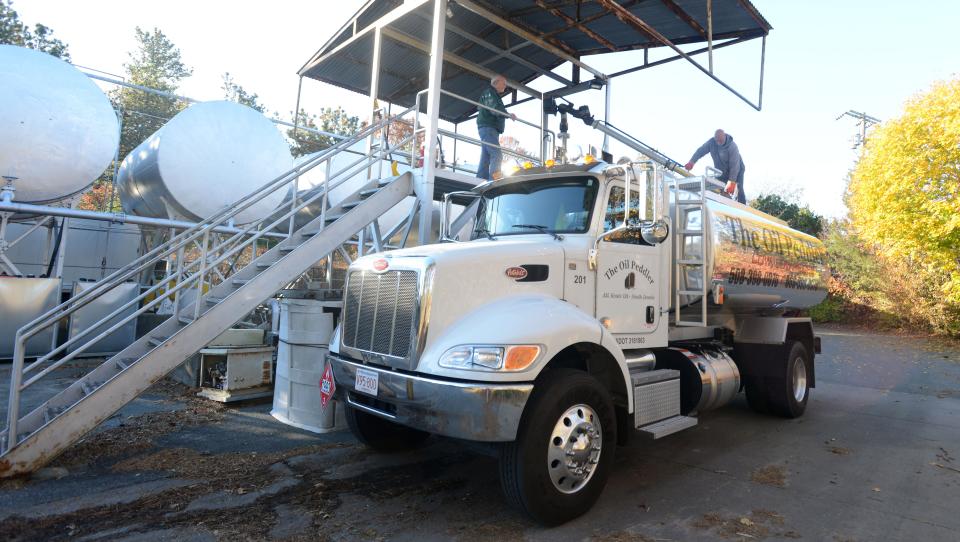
point(557, 205)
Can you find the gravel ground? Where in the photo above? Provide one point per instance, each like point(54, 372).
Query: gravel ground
point(876, 457)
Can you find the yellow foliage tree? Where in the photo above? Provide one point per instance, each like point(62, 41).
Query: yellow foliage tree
point(904, 196)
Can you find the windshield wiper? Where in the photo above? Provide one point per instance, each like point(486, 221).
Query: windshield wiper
point(539, 228)
point(486, 232)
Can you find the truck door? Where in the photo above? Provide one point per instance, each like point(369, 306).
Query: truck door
point(628, 272)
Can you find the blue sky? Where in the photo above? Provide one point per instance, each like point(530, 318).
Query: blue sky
point(823, 58)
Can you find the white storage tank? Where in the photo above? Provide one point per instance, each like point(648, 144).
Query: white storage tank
point(305, 332)
point(208, 156)
point(58, 131)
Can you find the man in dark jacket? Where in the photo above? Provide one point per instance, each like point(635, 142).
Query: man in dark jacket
point(490, 125)
point(726, 158)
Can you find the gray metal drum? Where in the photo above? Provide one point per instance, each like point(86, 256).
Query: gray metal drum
point(21, 301)
point(759, 262)
point(58, 131)
point(101, 307)
point(305, 332)
point(207, 157)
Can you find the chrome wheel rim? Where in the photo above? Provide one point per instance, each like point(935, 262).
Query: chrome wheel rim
point(574, 449)
point(799, 380)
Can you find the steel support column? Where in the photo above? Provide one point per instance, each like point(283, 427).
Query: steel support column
point(606, 115)
point(424, 188)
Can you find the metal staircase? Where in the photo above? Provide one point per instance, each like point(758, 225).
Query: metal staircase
point(208, 295)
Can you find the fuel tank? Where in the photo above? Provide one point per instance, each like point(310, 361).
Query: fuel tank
point(58, 131)
point(753, 262)
point(208, 156)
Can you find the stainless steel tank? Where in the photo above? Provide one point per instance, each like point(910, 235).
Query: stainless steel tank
point(58, 131)
point(204, 159)
point(756, 261)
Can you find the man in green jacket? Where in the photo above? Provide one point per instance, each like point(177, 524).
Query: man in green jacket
point(490, 125)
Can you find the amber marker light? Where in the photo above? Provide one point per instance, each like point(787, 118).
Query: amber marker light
point(550, 162)
point(527, 165)
point(519, 357)
point(589, 159)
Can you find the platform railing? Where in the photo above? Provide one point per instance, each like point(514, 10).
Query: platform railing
point(186, 275)
point(455, 136)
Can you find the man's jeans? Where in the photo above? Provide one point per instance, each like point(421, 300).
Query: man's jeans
point(490, 156)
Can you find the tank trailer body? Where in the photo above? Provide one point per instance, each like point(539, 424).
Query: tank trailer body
point(586, 302)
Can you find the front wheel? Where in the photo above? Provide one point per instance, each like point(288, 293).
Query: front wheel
point(558, 466)
point(381, 434)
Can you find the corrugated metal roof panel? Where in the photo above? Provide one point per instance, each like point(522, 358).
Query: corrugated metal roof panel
point(580, 28)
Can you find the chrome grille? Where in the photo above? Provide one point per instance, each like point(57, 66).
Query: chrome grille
point(380, 312)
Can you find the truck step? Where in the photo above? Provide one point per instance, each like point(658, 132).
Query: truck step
point(691, 292)
point(668, 426)
point(656, 396)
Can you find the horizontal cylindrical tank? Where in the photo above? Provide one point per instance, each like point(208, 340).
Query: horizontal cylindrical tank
point(204, 159)
point(759, 262)
point(58, 131)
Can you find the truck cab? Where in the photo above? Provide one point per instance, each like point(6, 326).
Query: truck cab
point(569, 307)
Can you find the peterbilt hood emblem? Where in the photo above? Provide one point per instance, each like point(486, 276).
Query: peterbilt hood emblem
point(380, 265)
point(516, 273)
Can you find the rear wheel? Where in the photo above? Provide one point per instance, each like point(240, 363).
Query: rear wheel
point(382, 434)
point(788, 395)
point(558, 466)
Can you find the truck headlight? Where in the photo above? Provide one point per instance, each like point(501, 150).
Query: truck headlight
point(515, 357)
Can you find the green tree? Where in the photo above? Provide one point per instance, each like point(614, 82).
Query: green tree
point(335, 121)
point(236, 93)
point(904, 198)
point(155, 64)
point(15, 32)
point(799, 218)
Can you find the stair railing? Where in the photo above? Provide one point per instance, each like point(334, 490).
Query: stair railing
point(184, 275)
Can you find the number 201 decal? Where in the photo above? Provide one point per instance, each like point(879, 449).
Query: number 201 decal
point(579, 279)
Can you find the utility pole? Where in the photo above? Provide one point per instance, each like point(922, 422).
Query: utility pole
point(864, 121)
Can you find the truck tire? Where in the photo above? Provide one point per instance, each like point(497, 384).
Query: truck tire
point(380, 434)
point(558, 466)
point(788, 395)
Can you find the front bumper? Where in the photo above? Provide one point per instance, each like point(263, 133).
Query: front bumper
point(467, 410)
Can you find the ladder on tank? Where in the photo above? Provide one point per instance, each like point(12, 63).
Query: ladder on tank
point(690, 201)
point(199, 314)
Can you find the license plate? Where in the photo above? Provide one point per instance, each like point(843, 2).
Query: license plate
point(367, 381)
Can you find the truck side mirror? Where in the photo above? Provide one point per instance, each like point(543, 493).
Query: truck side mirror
point(445, 233)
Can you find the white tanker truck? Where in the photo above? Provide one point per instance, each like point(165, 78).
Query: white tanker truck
point(587, 301)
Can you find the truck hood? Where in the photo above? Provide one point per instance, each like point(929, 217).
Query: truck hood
point(468, 275)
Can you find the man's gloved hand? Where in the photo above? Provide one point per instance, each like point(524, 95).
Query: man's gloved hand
point(688, 166)
point(731, 186)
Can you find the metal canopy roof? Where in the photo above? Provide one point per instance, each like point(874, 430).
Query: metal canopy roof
point(522, 39)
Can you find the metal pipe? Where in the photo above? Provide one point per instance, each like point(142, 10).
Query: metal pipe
point(296, 110)
point(435, 83)
point(710, 38)
point(763, 57)
point(141, 87)
point(113, 218)
point(481, 106)
point(606, 116)
point(479, 142)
